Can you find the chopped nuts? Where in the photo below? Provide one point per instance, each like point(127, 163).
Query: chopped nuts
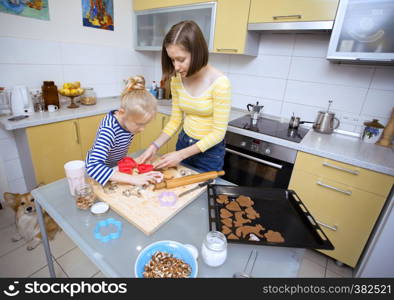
point(164, 265)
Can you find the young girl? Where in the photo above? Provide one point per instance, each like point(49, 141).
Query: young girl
point(201, 99)
point(116, 132)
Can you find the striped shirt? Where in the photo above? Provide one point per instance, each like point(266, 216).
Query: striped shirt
point(205, 117)
point(111, 145)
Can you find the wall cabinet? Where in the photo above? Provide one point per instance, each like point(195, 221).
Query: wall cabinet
point(292, 10)
point(223, 22)
point(345, 200)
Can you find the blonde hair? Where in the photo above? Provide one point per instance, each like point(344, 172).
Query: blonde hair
point(136, 100)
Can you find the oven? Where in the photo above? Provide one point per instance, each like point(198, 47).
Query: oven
point(253, 162)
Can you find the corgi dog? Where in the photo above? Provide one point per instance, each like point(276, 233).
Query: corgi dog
point(26, 220)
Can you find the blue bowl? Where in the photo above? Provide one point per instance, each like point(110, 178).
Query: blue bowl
point(178, 250)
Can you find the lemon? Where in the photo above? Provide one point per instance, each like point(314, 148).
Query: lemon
point(67, 92)
point(77, 84)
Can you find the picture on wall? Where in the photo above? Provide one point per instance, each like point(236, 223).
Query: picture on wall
point(37, 9)
point(98, 14)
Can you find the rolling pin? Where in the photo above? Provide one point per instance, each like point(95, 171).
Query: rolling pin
point(173, 183)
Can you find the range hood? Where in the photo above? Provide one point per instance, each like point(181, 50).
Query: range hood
point(363, 32)
point(290, 26)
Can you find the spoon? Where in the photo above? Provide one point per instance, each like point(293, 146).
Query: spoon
point(246, 274)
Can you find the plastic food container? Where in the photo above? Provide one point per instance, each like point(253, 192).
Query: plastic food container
point(89, 97)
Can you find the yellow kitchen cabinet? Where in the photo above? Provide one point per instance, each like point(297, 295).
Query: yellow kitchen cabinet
point(87, 132)
point(262, 11)
point(152, 132)
point(135, 144)
point(51, 146)
point(345, 210)
point(151, 4)
point(231, 28)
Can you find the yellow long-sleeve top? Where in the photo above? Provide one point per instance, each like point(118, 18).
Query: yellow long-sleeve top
point(204, 117)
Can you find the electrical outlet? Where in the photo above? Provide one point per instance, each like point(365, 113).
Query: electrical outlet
point(350, 119)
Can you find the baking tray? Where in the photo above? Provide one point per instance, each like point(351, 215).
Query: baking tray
point(280, 210)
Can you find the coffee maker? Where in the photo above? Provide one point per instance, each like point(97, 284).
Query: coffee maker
point(21, 102)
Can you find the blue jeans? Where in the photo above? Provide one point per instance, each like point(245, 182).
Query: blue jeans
point(210, 160)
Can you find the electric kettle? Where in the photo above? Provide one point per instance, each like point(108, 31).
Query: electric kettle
point(325, 121)
point(255, 110)
point(21, 102)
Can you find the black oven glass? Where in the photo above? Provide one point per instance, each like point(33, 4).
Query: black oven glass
point(246, 172)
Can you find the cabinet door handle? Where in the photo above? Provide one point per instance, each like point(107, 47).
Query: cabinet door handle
point(334, 188)
point(227, 49)
point(76, 131)
point(287, 17)
point(333, 228)
point(354, 172)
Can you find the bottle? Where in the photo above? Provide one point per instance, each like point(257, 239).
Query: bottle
point(214, 249)
point(153, 89)
point(50, 94)
point(88, 97)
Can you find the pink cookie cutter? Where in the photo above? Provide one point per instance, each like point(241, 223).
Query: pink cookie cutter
point(168, 198)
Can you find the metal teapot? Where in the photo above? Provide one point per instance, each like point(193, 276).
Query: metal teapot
point(325, 121)
point(255, 110)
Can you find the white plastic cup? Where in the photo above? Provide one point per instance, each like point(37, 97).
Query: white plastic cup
point(52, 108)
point(75, 173)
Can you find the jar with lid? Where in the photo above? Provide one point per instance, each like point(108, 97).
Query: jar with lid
point(84, 196)
point(214, 249)
point(372, 131)
point(50, 94)
point(89, 97)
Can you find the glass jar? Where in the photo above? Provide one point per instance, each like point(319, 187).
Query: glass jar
point(50, 94)
point(84, 196)
point(89, 97)
point(214, 249)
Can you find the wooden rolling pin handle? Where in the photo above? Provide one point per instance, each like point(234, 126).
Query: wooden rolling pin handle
point(173, 183)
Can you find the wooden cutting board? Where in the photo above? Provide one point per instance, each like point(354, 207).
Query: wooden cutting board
point(146, 212)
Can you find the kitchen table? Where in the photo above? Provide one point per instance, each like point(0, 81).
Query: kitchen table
point(116, 258)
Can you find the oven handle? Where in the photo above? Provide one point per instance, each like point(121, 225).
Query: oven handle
point(262, 161)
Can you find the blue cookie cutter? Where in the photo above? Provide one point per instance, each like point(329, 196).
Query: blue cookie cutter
point(105, 223)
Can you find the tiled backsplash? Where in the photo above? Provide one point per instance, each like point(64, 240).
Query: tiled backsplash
point(289, 75)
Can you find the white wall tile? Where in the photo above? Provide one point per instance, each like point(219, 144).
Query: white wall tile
point(83, 54)
point(306, 113)
point(344, 98)
point(276, 44)
point(322, 70)
point(311, 45)
point(383, 79)
point(29, 75)
point(265, 87)
point(27, 51)
point(220, 61)
point(240, 101)
point(379, 103)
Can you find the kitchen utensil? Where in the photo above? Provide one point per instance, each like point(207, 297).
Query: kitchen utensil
point(200, 185)
point(280, 210)
point(245, 273)
point(324, 122)
point(185, 180)
point(105, 225)
point(21, 102)
point(372, 131)
point(295, 122)
point(177, 249)
point(255, 110)
point(388, 133)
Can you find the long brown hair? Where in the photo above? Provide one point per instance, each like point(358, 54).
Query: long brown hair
point(188, 35)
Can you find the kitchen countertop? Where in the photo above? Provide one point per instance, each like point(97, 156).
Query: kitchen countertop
point(336, 146)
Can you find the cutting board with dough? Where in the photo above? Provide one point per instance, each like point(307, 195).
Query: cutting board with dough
point(145, 211)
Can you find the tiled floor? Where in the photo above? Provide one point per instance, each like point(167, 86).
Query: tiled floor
point(69, 261)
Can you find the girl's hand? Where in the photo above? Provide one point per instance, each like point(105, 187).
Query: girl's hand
point(146, 178)
point(147, 155)
point(171, 159)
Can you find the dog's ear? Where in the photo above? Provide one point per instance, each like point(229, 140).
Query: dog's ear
point(12, 200)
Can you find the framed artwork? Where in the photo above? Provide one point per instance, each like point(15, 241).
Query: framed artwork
point(37, 9)
point(98, 14)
